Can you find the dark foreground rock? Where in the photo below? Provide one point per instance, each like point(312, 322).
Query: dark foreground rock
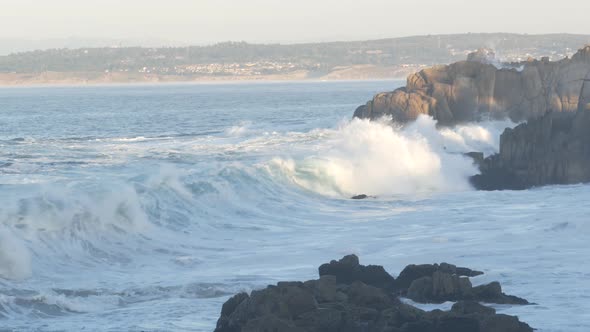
point(554, 149)
point(478, 89)
point(350, 297)
point(348, 270)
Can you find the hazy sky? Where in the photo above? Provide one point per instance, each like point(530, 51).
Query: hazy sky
point(207, 21)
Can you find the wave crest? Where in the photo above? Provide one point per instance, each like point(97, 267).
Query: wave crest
point(376, 158)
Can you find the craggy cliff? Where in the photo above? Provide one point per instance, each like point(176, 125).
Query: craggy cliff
point(554, 149)
point(480, 88)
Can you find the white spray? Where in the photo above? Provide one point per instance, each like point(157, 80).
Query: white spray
point(374, 158)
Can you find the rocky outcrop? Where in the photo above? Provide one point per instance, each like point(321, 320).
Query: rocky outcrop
point(478, 89)
point(434, 283)
point(350, 297)
point(554, 149)
point(348, 270)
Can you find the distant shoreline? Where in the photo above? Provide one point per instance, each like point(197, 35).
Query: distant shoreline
point(196, 83)
point(352, 73)
point(391, 58)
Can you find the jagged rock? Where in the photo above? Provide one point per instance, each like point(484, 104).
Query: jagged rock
point(368, 296)
point(270, 323)
point(457, 324)
point(495, 177)
point(447, 286)
point(502, 323)
point(348, 270)
point(362, 196)
point(492, 293)
point(465, 272)
point(421, 290)
point(554, 149)
point(472, 307)
point(477, 89)
point(440, 287)
point(445, 282)
point(413, 272)
point(347, 304)
point(229, 308)
point(325, 289)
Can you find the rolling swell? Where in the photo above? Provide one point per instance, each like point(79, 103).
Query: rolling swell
point(110, 218)
point(155, 220)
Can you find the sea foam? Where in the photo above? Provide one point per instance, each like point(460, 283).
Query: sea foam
point(377, 158)
point(15, 259)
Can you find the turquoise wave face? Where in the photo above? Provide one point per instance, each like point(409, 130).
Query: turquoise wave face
point(161, 201)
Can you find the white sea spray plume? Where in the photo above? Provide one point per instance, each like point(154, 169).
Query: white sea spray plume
point(378, 158)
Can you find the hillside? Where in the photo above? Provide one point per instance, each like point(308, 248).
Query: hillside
point(385, 58)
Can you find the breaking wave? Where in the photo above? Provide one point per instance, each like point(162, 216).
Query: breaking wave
point(377, 158)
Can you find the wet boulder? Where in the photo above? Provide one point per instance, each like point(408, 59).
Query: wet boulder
point(348, 270)
point(492, 293)
point(413, 272)
point(445, 282)
point(350, 297)
point(441, 287)
point(472, 307)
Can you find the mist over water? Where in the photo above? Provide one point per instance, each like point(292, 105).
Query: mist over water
point(159, 202)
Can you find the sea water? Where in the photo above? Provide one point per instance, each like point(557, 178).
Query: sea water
point(143, 208)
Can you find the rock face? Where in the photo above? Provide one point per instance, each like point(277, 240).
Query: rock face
point(477, 89)
point(554, 149)
point(350, 297)
point(434, 283)
point(348, 270)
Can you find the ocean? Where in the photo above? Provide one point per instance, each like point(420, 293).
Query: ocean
point(144, 208)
